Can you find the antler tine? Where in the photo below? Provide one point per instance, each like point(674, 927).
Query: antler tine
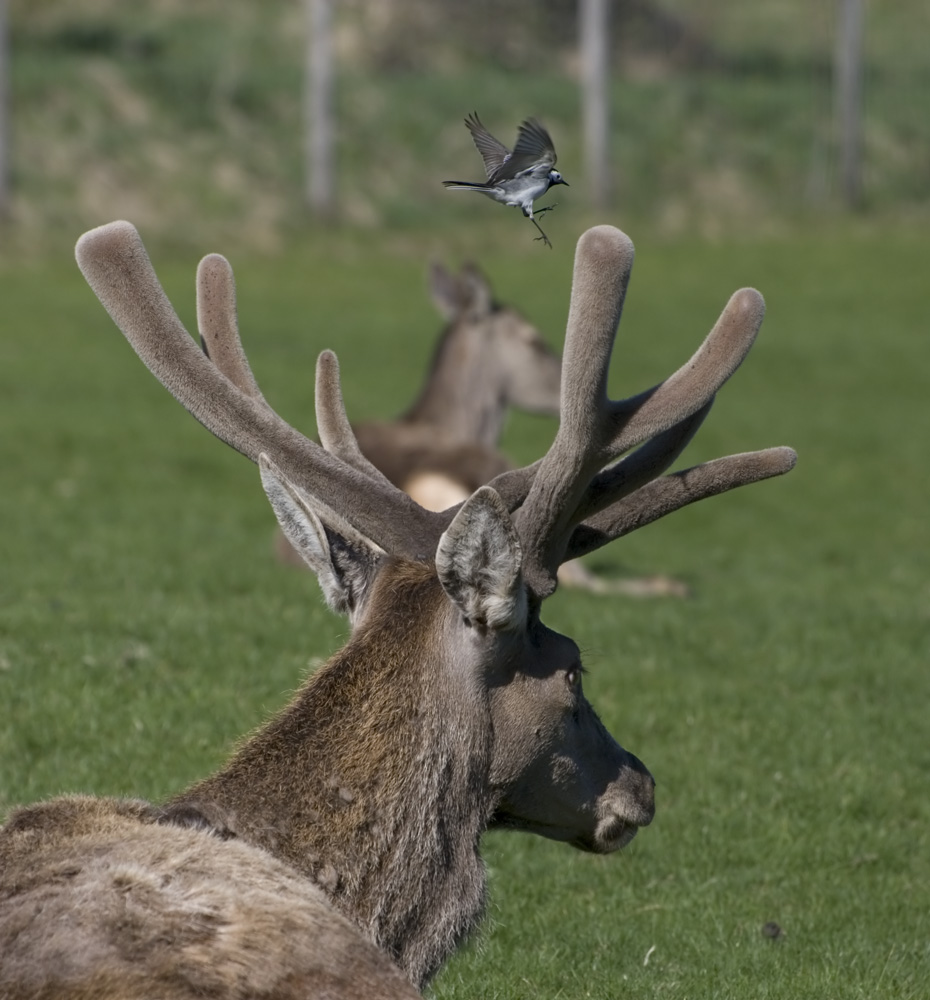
point(643, 465)
point(625, 496)
point(114, 262)
point(603, 261)
point(697, 381)
point(219, 338)
point(647, 462)
point(332, 422)
point(219, 326)
point(670, 493)
point(594, 430)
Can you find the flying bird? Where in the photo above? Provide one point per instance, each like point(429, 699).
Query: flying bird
point(515, 178)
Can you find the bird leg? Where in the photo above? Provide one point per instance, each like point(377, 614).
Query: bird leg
point(542, 236)
point(545, 208)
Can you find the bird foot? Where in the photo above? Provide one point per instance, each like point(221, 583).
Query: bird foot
point(542, 236)
point(545, 208)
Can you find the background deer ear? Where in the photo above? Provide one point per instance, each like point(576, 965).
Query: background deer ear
point(446, 292)
point(478, 562)
point(345, 561)
point(476, 292)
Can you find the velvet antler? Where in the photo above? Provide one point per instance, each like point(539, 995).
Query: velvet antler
point(568, 503)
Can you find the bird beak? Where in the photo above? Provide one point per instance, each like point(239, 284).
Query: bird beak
point(565, 183)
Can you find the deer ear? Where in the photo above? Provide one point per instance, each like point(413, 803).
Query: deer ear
point(345, 561)
point(445, 291)
point(478, 562)
point(476, 292)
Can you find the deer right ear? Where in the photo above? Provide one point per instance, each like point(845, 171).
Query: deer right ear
point(445, 291)
point(478, 561)
point(476, 292)
point(345, 561)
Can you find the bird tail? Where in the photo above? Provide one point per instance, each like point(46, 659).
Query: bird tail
point(464, 186)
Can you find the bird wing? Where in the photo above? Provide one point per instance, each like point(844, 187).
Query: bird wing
point(533, 148)
point(493, 152)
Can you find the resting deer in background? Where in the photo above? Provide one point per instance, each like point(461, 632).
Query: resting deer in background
point(488, 358)
point(335, 854)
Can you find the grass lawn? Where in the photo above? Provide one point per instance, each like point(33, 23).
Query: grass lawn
point(144, 625)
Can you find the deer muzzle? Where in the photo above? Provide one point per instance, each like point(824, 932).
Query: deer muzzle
point(626, 806)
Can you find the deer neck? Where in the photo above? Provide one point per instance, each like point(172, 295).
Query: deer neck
point(464, 396)
point(379, 801)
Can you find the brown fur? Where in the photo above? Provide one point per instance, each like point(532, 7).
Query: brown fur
point(99, 899)
point(369, 792)
point(361, 831)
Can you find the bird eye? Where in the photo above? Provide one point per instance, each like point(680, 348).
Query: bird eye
point(573, 677)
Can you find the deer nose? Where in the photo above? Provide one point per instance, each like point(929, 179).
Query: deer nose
point(640, 788)
point(647, 801)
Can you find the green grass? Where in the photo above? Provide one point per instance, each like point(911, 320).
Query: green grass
point(144, 625)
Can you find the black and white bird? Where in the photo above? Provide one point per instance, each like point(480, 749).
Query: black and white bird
point(515, 178)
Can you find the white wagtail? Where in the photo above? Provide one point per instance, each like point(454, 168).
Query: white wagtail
point(515, 178)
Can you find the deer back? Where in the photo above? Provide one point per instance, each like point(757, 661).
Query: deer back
point(103, 899)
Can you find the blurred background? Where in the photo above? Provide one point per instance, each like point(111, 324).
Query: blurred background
point(250, 122)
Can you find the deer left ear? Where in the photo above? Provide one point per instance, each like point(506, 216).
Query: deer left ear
point(478, 561)
point(345, 561)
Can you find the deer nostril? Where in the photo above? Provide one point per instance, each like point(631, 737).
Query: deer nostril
point(613, 833)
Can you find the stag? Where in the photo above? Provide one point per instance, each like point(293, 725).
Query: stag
point(335, 854)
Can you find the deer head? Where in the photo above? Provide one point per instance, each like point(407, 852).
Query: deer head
point(497, 357)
